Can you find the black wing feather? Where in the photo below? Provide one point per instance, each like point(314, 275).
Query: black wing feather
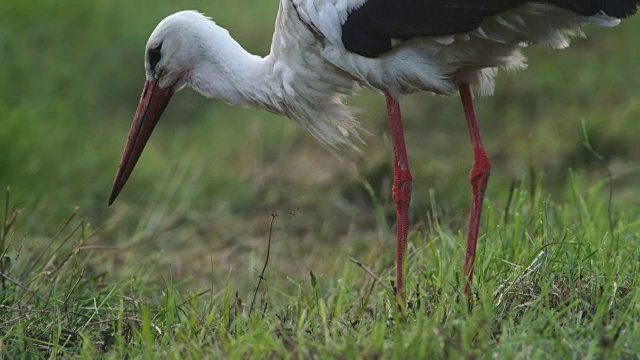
point(368, 30)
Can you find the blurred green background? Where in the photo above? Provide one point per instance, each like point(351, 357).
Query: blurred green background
point(200, 200)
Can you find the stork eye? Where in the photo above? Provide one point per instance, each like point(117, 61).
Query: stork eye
point(154, 55)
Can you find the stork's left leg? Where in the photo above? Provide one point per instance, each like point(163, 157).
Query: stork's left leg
point(478, 177)
point(401, 191)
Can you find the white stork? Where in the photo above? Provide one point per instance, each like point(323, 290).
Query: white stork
point(323, 50)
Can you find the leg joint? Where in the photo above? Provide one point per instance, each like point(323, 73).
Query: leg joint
point(402, 186)
point(481, 169)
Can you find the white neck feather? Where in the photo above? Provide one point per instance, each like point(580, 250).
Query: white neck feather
point(229, 73)
point(298, 84)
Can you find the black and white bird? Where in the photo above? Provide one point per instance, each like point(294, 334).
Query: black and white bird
point(323, 50)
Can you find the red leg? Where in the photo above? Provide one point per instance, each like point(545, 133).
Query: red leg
point(402, 183)
point(478, 177)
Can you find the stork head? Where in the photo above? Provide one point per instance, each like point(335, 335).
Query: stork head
point(174, 48)
point(176, 45)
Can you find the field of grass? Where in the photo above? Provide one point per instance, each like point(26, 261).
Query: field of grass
point(171, 268)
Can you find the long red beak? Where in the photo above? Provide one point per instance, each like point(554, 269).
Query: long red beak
point(152, 103)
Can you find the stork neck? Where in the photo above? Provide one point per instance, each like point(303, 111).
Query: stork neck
point(232, 74)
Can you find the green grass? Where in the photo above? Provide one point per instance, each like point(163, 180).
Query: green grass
point(170, 270)
point(557, 278)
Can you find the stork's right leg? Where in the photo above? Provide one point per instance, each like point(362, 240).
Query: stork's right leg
point(478, 177)
point(402, 183)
